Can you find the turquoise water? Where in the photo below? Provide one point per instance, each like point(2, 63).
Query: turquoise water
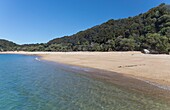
point(29, 84)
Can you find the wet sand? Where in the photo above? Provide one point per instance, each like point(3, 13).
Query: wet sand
point(154, 68)
point(139, 73)
point(146, 67)
point(123, 82)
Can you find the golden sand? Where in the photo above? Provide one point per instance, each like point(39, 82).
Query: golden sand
point(155, 68)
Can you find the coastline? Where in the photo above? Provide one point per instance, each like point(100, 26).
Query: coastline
point(152, 69)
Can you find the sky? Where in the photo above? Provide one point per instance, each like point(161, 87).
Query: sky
point(38, 21)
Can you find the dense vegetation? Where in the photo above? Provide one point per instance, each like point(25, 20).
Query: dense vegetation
point(7, 45)
point(150, 30)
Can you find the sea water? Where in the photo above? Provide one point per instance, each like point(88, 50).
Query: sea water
point(30, 84)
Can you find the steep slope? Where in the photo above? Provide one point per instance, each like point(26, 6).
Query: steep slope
point(150, 30)
point(6, 45)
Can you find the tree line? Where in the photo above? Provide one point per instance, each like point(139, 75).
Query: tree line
point(150, 30)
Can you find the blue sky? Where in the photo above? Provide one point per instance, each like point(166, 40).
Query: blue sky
point(35, 21)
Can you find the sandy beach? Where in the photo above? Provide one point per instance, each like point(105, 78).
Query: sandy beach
point(153, 68)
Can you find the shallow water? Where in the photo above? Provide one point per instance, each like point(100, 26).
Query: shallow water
point(29, 84)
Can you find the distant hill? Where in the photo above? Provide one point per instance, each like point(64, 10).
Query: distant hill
point(150, 30)
point(6, 45)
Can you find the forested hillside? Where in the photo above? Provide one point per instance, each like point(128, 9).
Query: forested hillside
point(7, 45)
point(150, 30)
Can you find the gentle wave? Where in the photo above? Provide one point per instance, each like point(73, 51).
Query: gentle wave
point(37, 59)
point(156, 84)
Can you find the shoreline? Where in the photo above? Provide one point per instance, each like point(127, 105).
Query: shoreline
point(126, 83)
point(128, 64)
point(133, 64)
